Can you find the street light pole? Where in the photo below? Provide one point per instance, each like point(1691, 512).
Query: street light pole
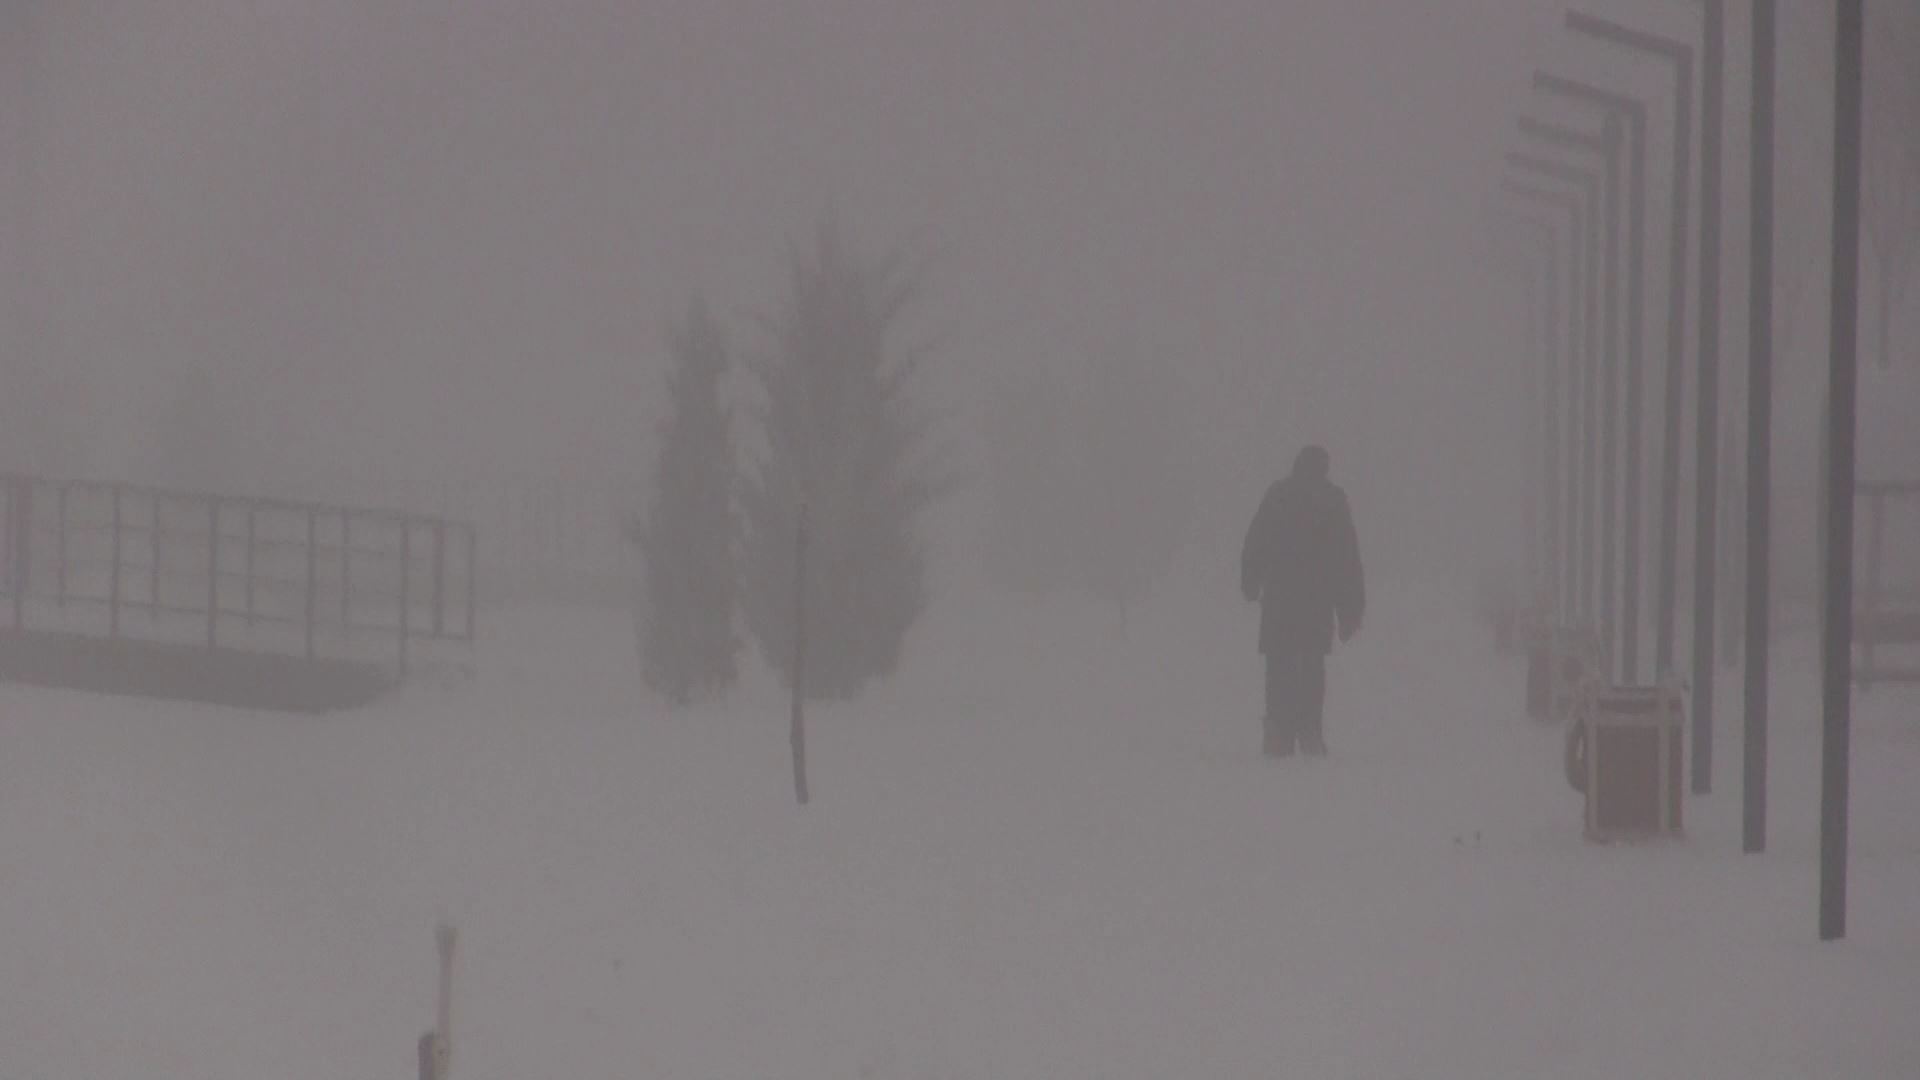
point(1681, 57)
point(1836, 667)
point(1753, 786)
point(1576, 550)
point(1607, 146)
point(1533, 443)
point(1632, 501)
point(1706, 425)
point(1582, 462)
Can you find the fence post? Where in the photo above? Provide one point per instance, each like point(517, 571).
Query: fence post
point(406, 557)
point(213, 573)
point(113, 572)
point(439, 577)
point(313, 574)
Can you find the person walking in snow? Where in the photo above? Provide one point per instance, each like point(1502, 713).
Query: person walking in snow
point(1301, 564)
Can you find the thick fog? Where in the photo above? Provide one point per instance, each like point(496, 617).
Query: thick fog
point(496, 263)
point(319, 246)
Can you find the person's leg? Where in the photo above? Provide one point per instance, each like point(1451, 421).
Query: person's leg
point(1278, 723)
point(1311, 679)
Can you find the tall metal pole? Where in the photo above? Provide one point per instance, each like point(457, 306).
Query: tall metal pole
point(1552, 354)
point(1632, 500)
point(1596, 368)
point(1706, 425)
point(1836, 674)
point(1580, 540)
point(1579, 544)
point(1667, 598)
point(1753, 788)
point(1602, 277)
point(33, 420)
point(1610, 383)
point(1680, 55)
point(1582, 410)
point(1632, 489)
point(1555, 356)
point(1533, 495)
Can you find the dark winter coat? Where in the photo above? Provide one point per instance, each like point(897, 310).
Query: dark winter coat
point(1301, 561)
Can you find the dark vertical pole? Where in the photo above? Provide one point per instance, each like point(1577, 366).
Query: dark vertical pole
point(1632, 497)
point(313, 574)
point(1667, 601)
point(1836, 674)
point(1577, 267)
point(1544, 353)
point(406, 565)
point(1753, 802)
point(1579, 542)
point(798, 731)
point(113, 571)
point(439, 577)
point(1609, 278)
point(1727, 586)
point(1533, 496)
point(1542, 382)
point(1558, 368)
point(60, 547)
point(213, 573)
point(1706, 423)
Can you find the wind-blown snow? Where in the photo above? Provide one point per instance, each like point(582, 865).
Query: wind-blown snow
point(1043, 852)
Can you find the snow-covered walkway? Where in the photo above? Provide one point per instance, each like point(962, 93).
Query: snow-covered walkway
point(1044, 853)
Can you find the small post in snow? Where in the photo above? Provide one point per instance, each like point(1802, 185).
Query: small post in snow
point(436, 1045)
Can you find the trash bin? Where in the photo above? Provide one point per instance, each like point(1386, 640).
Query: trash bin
point(1625, 753)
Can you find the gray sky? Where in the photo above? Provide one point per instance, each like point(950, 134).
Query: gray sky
point(431, 238)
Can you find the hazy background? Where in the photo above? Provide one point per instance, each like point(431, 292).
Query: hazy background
point(410, 252)
point(423, 252)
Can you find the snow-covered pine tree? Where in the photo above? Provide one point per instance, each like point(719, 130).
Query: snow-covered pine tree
point(688, 643)
point(843, 433)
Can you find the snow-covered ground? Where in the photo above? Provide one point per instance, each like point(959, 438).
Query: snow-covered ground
point(1043, 852)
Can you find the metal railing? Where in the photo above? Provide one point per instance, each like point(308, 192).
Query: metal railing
point(306, 579)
